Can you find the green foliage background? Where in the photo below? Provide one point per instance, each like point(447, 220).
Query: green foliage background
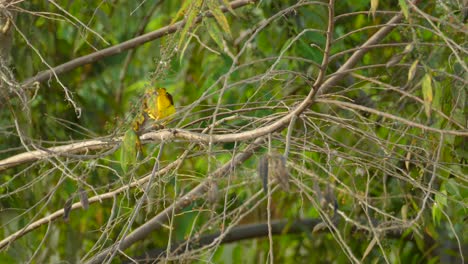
point(405, 183)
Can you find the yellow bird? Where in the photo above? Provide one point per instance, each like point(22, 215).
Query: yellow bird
point(158, 104)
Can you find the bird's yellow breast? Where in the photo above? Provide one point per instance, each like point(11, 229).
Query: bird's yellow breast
point(159, 105)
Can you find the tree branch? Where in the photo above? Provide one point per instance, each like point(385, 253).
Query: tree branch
point(144, 230)
point(156, 222)
point(242, 232)
point(119, 48)
point(171, 134)
point(247, 135)
point(258, 230)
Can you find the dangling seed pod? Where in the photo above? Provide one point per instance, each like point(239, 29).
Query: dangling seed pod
point(273, 166)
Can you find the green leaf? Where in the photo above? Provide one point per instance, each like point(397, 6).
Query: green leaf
point(404, 8)
point(452, 188)
point(193, 11)
point(427, 93)
point(441, 198)
point(184, 48)
point(436, 214)
point(129, 149)
point(136, 87)
point(219, 15)
point(214, 32)
point(185, 7)
point(287, 45)
point(439, 204)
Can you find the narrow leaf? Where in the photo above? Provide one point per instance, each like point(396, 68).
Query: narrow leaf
point(394, 60)
point(319, 227)
point(277, 166)
point(452, 188)
point(427, 93)
point(398, 57)
point(193, 11)
point(374, 5)
point(67, 209)
point(408, 48)
point(219, 15)
point(412, 70)
point(404, 212)
point(213, 193)
point(84, 199)
point(263, 172)
point(438, 206)
point(404, 8)
point(436, 214)
point(182, 11)
point(214, 32)
point(184, 48)
point(407, 160)
point(369, 248)
point(129, 149)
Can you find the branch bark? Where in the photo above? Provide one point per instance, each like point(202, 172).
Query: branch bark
point(258, 230)
point(278, 227)
point(171, 134)
point(156, 222)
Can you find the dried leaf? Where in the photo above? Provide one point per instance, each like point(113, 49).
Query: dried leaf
point(274, 166)
point(412, 70)
point(67, 209)
point(407, 160)
point(84, 199)
point(404, 212)
point(408, 48)
point(138, 122)
point(374, 6)
point(319, 227)
point(369, 248)
point(394, 60)
point(213, 192)
point(263, 172)
point(398, 57)
point(330, 199)
point(277, 168)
